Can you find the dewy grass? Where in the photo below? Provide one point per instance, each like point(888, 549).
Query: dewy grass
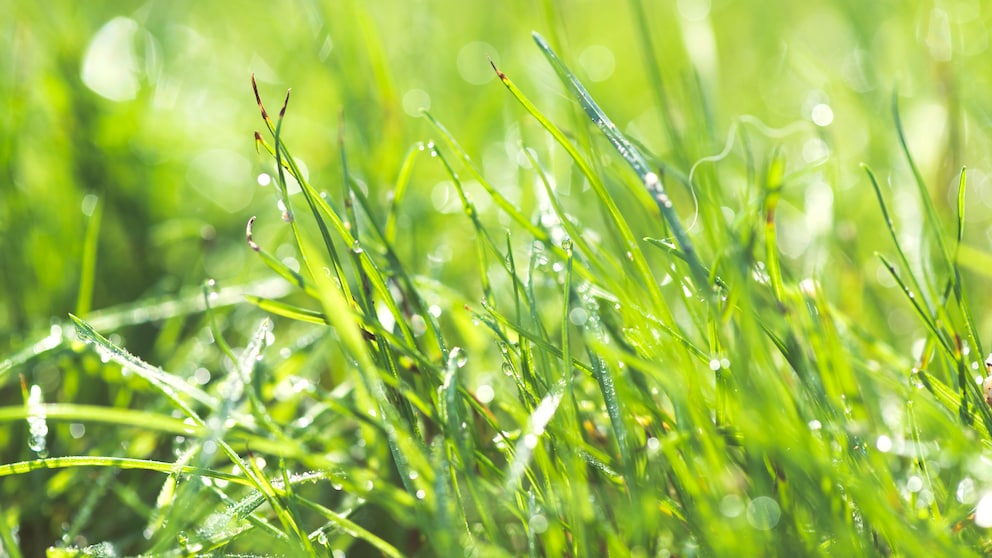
point(582, 387)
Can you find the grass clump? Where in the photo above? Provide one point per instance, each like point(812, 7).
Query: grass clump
point(620, 354)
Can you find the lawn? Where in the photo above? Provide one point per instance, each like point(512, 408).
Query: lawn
point(434, 278)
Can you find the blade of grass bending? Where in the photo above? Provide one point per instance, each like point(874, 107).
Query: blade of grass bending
point(932, 326)
point(653, 70)
point(399, 191)
point(959, 291)
point(501, 201)
point(643, 270)
point(7, 541)
point(320, 206)
point(285, 161)
point(633, 157)
point(773, 189)
point(469, 208)
point(895, 239)
point(87, 271)
point(280, 268)
point(166, 383)
point(932, 219)
point(607, 271)
point(22, 467)
point(285, 310)
point(351, 528)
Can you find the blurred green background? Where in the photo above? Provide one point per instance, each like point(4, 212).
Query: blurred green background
point(145, 109)
point(142, 114)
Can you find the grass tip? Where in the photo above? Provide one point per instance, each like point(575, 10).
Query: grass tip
point(499, 74)
point(282, 111)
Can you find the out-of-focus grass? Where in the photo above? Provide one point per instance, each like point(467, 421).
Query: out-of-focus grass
point(785, 411)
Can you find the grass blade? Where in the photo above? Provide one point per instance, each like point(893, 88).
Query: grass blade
point(634, 158)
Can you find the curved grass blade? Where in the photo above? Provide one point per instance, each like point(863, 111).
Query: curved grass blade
point(168, 384)
point(274, 264)
point(630, 244)
point(632, 156)
point(288, 310)
point(959, 293)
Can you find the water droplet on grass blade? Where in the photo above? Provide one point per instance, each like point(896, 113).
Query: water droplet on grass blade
point(458, 357)
point(37, 423)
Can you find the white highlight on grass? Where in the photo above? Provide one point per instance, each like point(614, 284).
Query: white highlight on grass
point(415, 101)
point(965, 492)
point(77, 430)
point(598, 62)
point(763, 513)
point(538, 421)
point(89, 204)
point(653, 444)
point(473, 62)
point(914, 484)
point(731, 505)
point(538, 523)
point(694, 10)
point(485, 394)
point(983, 511)
point(883, 443)
point(819, 205)
point(264, 179)
point(822, 115)
point(110, 66)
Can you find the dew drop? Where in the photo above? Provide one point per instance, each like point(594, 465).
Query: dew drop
point(965, 492)
point(37, 423)
point(458, 357)
point(508, 369)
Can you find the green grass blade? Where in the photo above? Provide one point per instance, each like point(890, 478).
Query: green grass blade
point(87, 271)
point(169, 385)
point(634, 158)
point(287, 310)
point(617, 219)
